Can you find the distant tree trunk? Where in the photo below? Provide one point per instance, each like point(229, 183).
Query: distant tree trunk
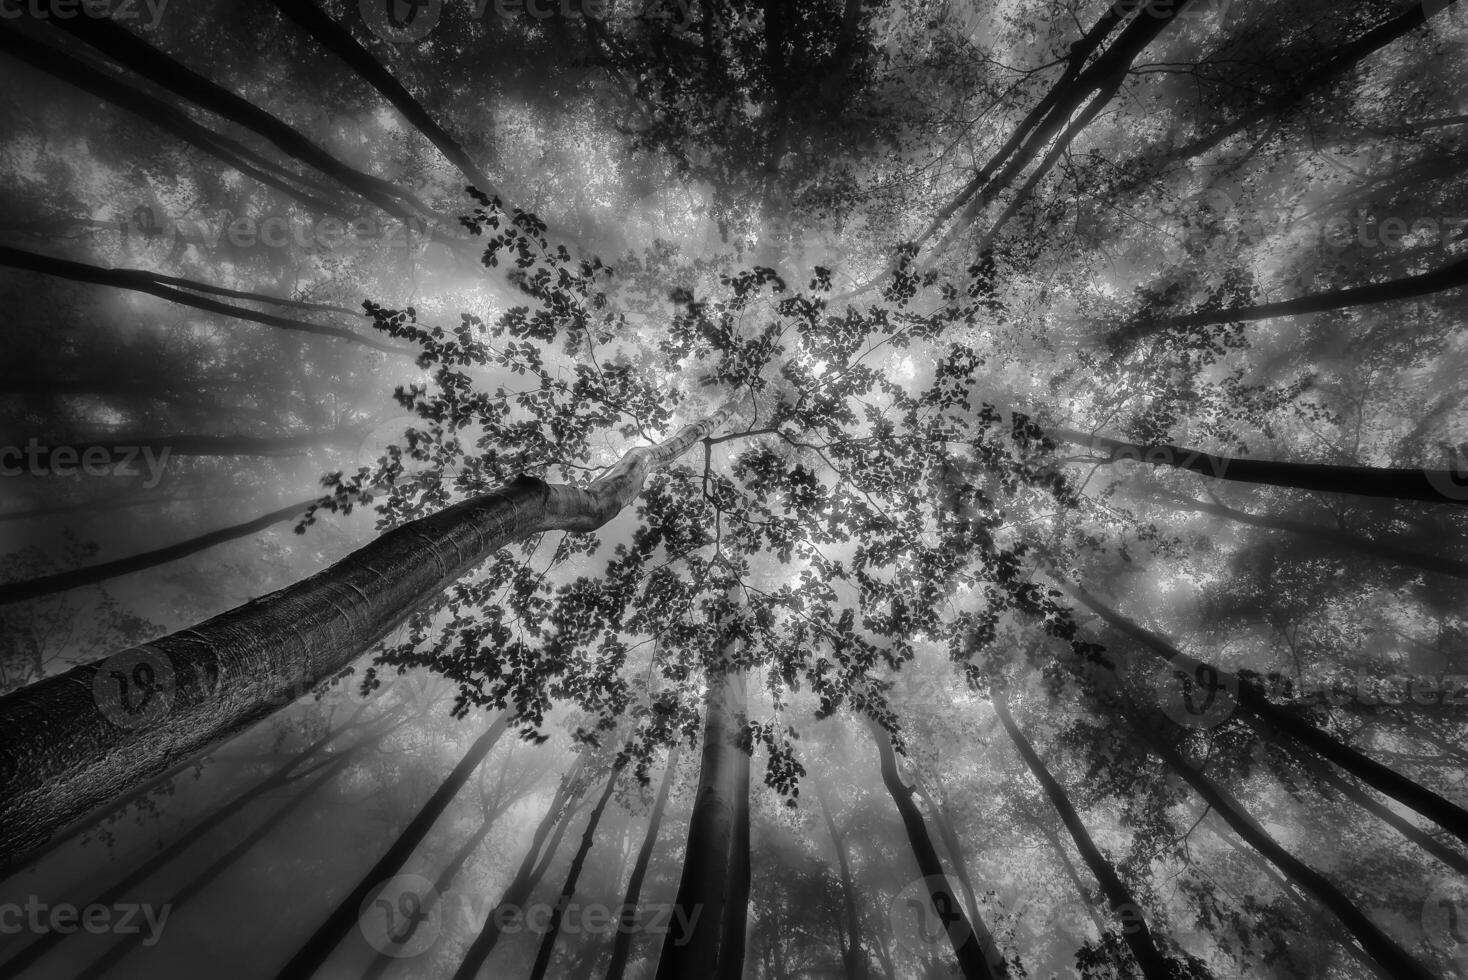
point(622, 944)
point(573, 875)
point(318, 947)
point(339, 41)
point(1398, 963)
point(146, 282)
point(714, 889)
point(62, 755)
point(1087, 899)
point(1432, 486)
point(44, 585)
point(974, 960)
point(1124, 907)
point(281, 777)
point(1454, 276)
point(1446, 814)
point(557, 816)
point(1343, 539)
point(856, 959)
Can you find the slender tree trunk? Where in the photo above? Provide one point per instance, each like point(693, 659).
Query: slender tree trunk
point(557, 816)
point(951, 843)
point(1397, 962)
point(123, 886)
point(339, 41)
point(146, 282)
point(1087, 900)
point(974, 960)
point(314, 953)
point(44, 585)
point(106, 965)
point(714, 889)
point(1155, 966)
point(62, 755)
point(573, 875)
point(1251, 699)
point(1330, 535)
point(856, 959)
point(1432, 486)
point(622, 944)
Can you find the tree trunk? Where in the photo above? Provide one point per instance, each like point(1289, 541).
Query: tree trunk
point(856, 959)
point(1398, 963)
point(557, 816)
point(318, 947)
point(622, 944)
point(146, 282)
point(1126, 909)
point(1342, 539)
point(62, 755)
point(121, 888)
point(949, 836)
point(974, 960)
point(568, 890)
point(1251, 699)
point(1432, 486)
point(44, 585)
point(714, 890)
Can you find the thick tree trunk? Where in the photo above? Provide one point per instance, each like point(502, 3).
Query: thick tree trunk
point(1330, 535)
point(1432, 486)
point(573, 875)
point(1397, 962)
point(1251, 698)
point(956, 859)
point(61, 753)
point(1127, 911)
point(856, 958)
point(556, 818)
point(124, 886)
point(318, 947)
point(339, 41)
point(44, 585)
point(975, 962)
point(146, 282)
point(714, 889)
point(622, 944)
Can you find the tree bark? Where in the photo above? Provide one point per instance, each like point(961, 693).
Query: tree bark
point(318, 947)
point(713, 892)
point(975, 962)
point(1431, 486)
point(146, 282)
point(1128, 912)
point(1251, 699)
point(1397, 962)
point(44, 585)
point(62, 755)
point(573, 875)
point(622, 945)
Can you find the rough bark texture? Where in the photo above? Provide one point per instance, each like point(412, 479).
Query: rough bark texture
point(622, 945)
point(318, 947)
point(61, 754)
point(709, 889)
point(1432, 486)
point(1446, 814)
point(1138, 937)
point(973, 960)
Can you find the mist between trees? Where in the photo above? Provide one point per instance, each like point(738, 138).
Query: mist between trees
point(734, 491)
